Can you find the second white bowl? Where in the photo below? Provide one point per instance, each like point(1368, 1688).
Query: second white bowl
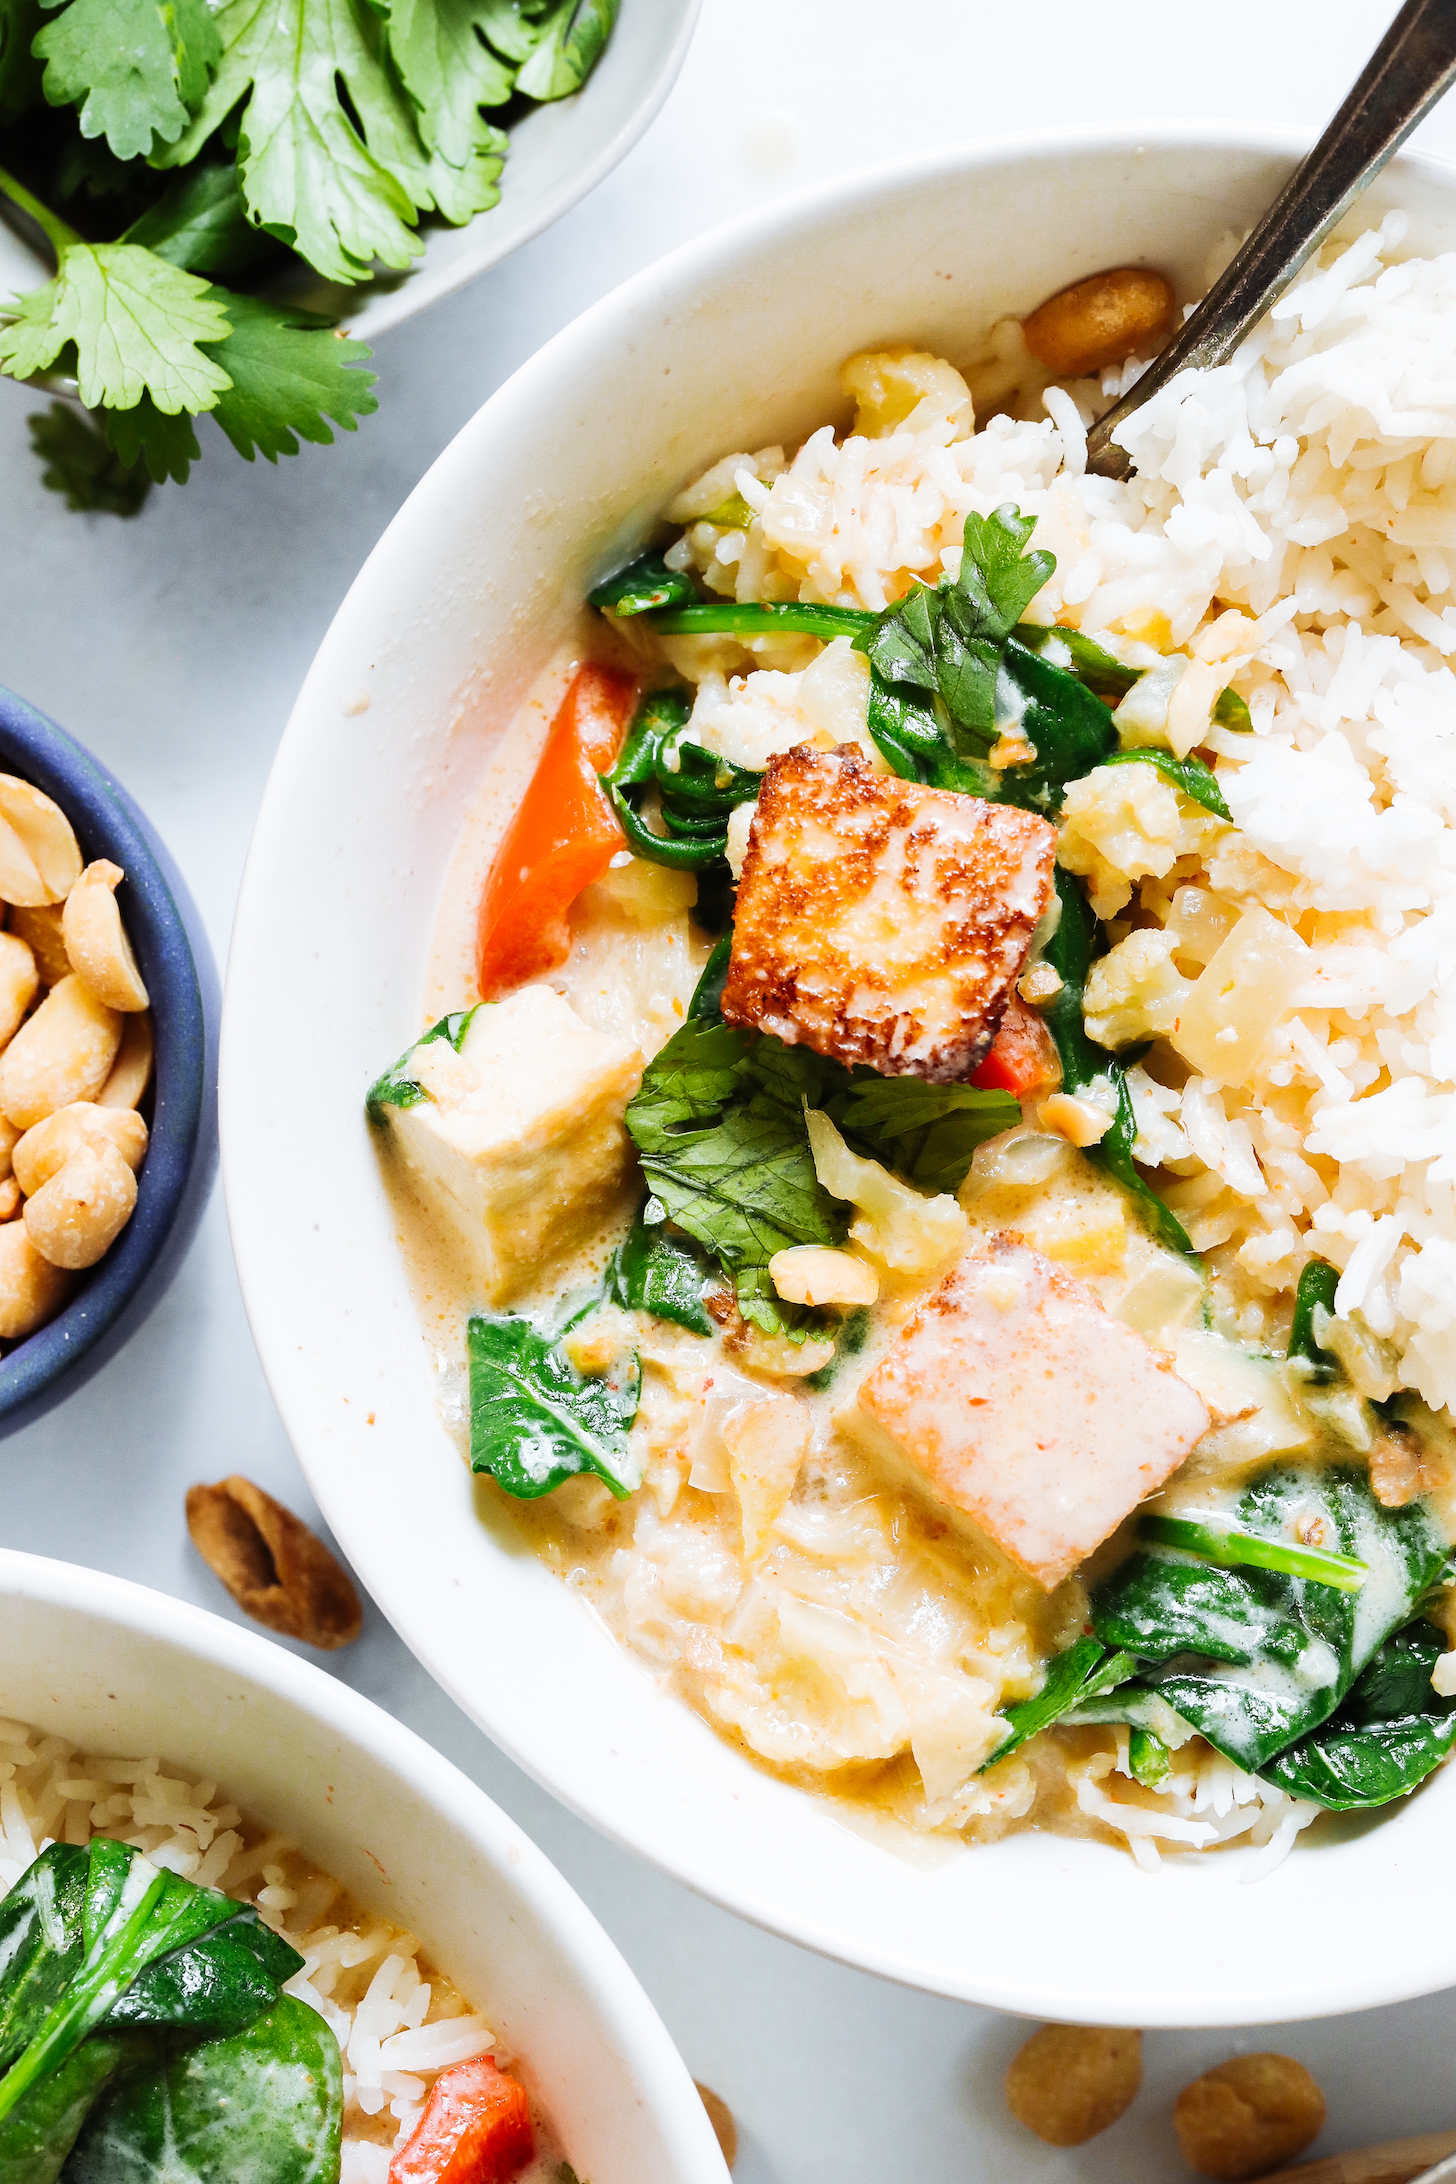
point(123, 1671)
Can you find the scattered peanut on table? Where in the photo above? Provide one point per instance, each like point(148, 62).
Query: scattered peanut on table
point(1068, 2082)
point(1248, 2116)
point(76, 1057)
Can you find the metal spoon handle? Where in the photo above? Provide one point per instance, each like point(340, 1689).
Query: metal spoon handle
point(1414, 63)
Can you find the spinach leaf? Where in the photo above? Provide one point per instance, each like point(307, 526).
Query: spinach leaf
point(1390, 1733)
point(911, 731)
point(1149, 1759)
point(1081, 656)
point(96, 1943)
point(1069, 952)
point(757, 618)
point(1085, 1670)
point(1255, 1658)
point(644, 584)
point(928, 1132)
point(696, 791)
point(37, 2136)
point(1189, 774)
point(1217, 1540)
point(719, 1126)
point(1317, 1284)
point(262, 2107)
point(654, 1271)
point(1231, 711)
point(535, 1420)
point(397, 1088)
point(1070, 730)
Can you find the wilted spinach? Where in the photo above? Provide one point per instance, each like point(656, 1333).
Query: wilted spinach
point(1389, 1734)
point(107, 1967)
point(535, 1420)
point(1085, 1671)
point(265, 2104)
point(644, 584)
point(1315, 1290)
point(1189, 774)
point(397, 1087)
point(719, 1127)
point(1252, 1658)
point(656, 1270)
point(696, 792)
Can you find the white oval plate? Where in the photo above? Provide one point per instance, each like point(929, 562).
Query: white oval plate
point(732, 342)
point(128, 1672)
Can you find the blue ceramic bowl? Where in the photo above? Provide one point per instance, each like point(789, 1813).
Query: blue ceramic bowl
point(176, 1176)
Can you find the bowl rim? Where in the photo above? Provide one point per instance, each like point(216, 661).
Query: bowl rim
point(176, 963)
point(695, 264)
point(608, 1982)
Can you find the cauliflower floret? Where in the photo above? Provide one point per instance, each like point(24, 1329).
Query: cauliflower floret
point(752, 718)
point(1133, 992)
point(908, 390)
point(1126, 823)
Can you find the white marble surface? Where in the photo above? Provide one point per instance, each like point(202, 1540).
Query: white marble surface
point(173, 645)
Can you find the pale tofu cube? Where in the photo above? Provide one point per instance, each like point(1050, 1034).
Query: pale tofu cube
point(1021, 1402)
point(519, 1147)
point(880, 921)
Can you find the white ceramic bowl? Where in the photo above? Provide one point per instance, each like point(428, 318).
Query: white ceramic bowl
point(733, 342)
point(123, 1670)
point(557, 154)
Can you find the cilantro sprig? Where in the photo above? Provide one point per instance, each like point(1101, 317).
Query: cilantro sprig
point(177, 156)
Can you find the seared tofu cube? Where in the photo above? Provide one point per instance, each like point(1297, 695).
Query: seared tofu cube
point(882, 922)
point(518, 1147)
point(1024, 1404)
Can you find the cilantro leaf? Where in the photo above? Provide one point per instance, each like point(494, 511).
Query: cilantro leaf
point(289, 371)
point(81, 465)
point(137, 324)
point(450, 73)
point(136, 68)
point(514, 27)
point(165, 446)
point(341, 195)
point(201, 223)
point(575, 33)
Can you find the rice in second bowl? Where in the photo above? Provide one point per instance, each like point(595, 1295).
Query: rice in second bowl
point(1287, 538)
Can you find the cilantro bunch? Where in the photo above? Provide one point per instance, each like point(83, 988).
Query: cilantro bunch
point(181, 158)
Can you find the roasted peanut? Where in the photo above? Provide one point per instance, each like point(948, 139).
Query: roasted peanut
point(75, 1218)
point(1068, 2082)
point(36, 1156)
point(9, 1198)
point(720, 2115)
point(9, 1138)
point(31, 1289)
point(19, 984)
point(62, 1053)
point(39, 856)
point(96, 940)
point(817, 1274)
point(272, 1564)
point(40, 928)
point(1248, 2116)
point(131, 1072)
point(1100, 321)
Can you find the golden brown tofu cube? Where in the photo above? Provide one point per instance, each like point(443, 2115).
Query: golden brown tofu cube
point(1023, 1403)
point(882, 922)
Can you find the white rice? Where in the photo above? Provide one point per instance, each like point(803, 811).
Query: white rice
point(397, 2021)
